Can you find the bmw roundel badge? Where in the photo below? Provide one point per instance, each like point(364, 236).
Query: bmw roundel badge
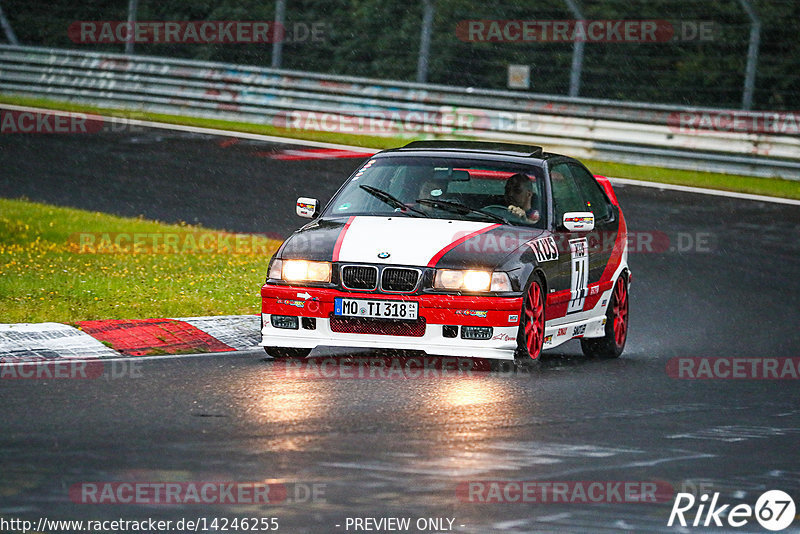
point(383, 255)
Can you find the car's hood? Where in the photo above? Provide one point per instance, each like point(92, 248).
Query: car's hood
point(407, 241)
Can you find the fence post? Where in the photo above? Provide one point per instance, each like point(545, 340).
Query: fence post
point(577, 52)
point(133, 6)
point(279, 33)
point(12, 38)
point(425, 41)
point(752, 55)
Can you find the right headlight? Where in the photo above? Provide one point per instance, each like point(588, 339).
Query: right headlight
point(471, 280)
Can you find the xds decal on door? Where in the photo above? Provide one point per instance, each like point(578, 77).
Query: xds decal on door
point(579, 267)
point(545, 249)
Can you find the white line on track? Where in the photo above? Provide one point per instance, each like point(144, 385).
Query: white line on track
point(300, 142)
point(702, 191)
point(257, 351)
point(197, 129)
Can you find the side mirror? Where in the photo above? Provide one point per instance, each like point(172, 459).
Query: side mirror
point(579, 221)
point(307, 207)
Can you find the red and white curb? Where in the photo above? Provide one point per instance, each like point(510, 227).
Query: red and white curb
point(46, 341)
point(136, 337)
point(240, 332)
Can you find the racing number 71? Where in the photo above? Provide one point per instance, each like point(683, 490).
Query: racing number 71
point(579, 274)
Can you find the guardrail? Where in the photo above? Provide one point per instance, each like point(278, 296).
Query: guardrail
point(685, 138)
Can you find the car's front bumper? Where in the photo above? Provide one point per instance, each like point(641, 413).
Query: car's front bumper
point(502, 314)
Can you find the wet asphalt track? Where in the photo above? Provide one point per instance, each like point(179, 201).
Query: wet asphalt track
point(401, 447)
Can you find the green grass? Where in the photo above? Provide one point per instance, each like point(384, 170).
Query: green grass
point(774, 187)
point(45, 275)
point(377, 142)
point(727, 182)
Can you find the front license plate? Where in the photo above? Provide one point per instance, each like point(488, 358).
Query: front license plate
point(376, 309)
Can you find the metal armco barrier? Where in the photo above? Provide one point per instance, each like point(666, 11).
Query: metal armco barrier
point(750, 143)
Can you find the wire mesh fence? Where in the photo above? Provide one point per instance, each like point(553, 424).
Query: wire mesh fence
point(687, 52)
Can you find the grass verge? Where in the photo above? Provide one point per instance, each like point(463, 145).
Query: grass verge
point(726, 182)
point(66, 265)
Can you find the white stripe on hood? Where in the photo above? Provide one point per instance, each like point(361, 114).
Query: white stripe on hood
point(408, 240)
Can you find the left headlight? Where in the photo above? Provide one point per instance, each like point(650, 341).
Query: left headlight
point(471, 280)
point(300, 271)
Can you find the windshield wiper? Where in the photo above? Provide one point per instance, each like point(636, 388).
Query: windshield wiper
point(461, 209)
point(389, 199)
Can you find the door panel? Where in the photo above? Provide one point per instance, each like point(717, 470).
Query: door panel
point(601, 240)
point(574, 249)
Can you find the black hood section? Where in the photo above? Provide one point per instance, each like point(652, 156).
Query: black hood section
point(315, 241)
point(490, 249)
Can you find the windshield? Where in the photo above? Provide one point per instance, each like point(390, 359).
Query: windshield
point(461, 189)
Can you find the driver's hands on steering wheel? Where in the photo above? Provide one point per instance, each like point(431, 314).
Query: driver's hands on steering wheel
point(519, 212)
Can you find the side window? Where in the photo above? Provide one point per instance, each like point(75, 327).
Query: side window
point(566, 195)
point(596, 200)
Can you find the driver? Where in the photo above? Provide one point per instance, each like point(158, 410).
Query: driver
point(519, 197)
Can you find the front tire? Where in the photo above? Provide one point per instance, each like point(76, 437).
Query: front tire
point(612, 343)
point(286, 352)
point(530, 338)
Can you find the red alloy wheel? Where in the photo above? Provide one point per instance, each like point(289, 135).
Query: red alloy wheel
point(620, 312)
point(534, 320)
point(615, 335)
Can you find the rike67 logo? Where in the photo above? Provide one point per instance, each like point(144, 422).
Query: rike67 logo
point(774, 510)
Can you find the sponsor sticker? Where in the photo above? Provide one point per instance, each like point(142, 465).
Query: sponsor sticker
point(545, 249)
point(295, 303)
point(473, 313)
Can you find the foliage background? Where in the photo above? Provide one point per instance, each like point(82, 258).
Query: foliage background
point(380, 38)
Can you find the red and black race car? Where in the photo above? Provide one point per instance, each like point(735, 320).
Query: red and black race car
point(454, 248)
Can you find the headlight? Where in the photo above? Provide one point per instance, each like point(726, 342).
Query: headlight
point(471, 280)
point(301, 271)
point(477, 280)
point(275, 270)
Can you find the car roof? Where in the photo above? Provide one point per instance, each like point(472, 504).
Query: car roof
point(530, 154)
